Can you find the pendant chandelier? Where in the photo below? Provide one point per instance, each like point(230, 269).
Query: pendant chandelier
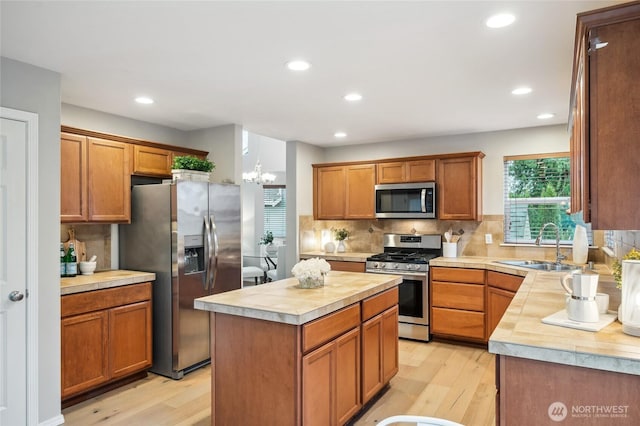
point(256, 176)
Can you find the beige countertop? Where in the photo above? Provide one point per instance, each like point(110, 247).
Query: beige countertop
point(281, 301)
point(103, 279)
point(521, 332)
point(344, 257)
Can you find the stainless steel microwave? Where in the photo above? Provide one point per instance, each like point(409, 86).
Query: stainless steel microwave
point(406, 201)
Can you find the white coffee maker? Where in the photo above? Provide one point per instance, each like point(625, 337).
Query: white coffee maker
point(581, 302)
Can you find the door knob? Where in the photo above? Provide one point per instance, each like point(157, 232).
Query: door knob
point(16, 296)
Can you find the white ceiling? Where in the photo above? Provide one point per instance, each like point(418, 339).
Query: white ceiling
point(425, 68)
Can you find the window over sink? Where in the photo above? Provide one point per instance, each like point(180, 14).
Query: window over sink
point(537, 190)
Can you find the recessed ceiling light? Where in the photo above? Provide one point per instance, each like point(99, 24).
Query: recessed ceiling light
point(545, 116)
point(500, 20)
point(340, 134)
point(352, 97)
point(521, 91)
point(144, 100)
point(298, 65)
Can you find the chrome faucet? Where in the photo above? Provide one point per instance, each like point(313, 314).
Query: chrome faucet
point(559, 256)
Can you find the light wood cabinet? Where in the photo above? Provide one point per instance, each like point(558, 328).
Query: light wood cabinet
point(458, 303)
point(339, 265)
point(105, 337)
point(380, 354)
point(313, 376)
point(501, 288)
point(605, 116)
point(74, 206)
point(150, 161)
point(109, 181)
point(331, 381)
point(95, 180)
point(406, 171)
point(344, 191)
point(460, 187)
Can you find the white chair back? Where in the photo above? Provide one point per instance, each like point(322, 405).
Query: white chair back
point(280, 272)
point(418, 420)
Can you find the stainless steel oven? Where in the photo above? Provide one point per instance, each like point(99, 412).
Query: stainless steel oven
point(408, 256)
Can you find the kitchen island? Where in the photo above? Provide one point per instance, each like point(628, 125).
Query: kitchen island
point(546, 373)
point(291, 356)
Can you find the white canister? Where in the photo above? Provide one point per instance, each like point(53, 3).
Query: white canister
point(450, 249)
point(580, 245)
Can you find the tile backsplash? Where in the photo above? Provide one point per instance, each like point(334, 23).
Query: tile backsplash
point(97, 239)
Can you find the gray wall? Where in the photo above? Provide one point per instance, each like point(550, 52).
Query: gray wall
point(224, 144)
point(494, 144)
point(28, 88)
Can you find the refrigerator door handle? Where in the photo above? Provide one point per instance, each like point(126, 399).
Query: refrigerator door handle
point(207, 273)
point(214, 269)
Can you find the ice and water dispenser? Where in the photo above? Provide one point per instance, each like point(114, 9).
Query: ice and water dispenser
point(193, 254)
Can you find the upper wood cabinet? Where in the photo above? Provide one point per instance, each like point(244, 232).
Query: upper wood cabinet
point(606, 117)
point(153, 161)
point(406, 171)
point(460, 187)
point(95, 179)
point(344, 191)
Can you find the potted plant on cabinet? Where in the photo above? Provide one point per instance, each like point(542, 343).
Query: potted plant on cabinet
point(188, 167)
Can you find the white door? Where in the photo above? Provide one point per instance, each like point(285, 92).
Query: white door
point(14, 220)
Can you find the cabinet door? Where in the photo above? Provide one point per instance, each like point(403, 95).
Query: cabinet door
point(614, 126)
point(372, 376)
point(73, 178)
point(391, 172)
point(130, 338)
point(389, 343)
point(360, 181)
point(421, 171)
point(109, 181)
point(459, 189)
point(318, 386)
point(84, 342)
point(498, 301)
point(329, 192)
point(458, 323)
point(348, 400)
point(149, 161)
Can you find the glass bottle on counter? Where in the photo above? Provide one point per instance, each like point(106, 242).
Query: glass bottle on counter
point(63, 261)
point(71, 262)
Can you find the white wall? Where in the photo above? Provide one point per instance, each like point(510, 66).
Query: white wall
point(84, 118)
point(495, 145)
point(224, 144)
point(28, 88)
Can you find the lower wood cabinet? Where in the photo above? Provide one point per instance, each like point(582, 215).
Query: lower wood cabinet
point(105, 337)
point(339, 265)
point(309, 374)
point(458, 303)
point(501, 288)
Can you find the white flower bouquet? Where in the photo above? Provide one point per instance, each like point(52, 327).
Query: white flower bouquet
point(310, 273)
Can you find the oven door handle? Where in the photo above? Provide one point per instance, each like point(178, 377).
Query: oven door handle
point(417, 276)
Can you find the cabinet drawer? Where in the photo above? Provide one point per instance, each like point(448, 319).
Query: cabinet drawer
point(458, 296)
point(90, 301)
point(328, 327)
point(378, 303)
point(458, 275)
point(340, 265)
point(458, 323)
point(504, 281)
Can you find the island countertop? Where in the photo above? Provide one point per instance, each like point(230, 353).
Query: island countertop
point(522, 334)
point(282, 301)
point(103, 279)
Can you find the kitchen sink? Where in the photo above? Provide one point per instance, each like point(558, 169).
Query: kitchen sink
point(540, 265)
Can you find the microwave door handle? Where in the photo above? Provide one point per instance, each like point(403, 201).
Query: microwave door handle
point(209, 252)
point(423, 200)
point(214, 257)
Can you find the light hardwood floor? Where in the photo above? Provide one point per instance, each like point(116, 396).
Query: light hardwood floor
point(435, 379)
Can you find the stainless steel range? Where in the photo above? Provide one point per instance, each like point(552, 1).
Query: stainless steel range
point(408, 255)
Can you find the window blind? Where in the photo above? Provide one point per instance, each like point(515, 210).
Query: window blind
point(537, 190)
point(275, 210)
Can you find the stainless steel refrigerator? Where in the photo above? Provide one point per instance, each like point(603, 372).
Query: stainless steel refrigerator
point(188, 233)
